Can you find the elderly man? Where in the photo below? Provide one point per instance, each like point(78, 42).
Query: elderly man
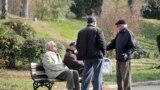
point(70, 59)
point(124, 45)
point(91, 48)
point(54, 67)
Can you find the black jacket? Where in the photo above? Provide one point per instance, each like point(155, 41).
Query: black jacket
point(124, 45)
point(70, 60)
point(90, 43)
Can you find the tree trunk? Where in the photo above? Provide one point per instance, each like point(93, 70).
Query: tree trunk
point(26, 8)
point(130, 4)
point(4, 9)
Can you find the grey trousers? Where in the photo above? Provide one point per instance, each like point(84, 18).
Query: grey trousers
point(124, 75)
point(72, 78)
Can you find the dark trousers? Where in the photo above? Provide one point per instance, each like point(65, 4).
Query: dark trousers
point(72, 78)
point(92, 69)
point(124, 75)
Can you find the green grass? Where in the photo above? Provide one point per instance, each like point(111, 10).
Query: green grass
point(151, 28)
point(142, 70)
point(21, 80)
point(68, 28)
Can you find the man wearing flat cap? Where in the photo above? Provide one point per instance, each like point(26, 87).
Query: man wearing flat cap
point(91, 48)
point(124, 45)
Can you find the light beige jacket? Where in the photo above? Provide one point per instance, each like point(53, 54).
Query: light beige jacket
point(53, 64)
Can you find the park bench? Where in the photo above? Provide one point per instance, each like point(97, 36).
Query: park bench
point(40, 78)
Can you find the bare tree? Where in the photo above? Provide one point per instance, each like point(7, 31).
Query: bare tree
point(4, 9)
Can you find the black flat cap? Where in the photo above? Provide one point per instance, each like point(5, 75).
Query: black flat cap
point(120, 22)
point(91, 19)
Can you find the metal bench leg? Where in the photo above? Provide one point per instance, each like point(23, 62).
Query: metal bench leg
point(35, 85)
point(50, 85)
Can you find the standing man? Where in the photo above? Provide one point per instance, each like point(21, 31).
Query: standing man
point(124, 45)
point(91, 49)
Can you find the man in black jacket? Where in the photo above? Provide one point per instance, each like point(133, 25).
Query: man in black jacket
point(91, 49)
point(124, 45)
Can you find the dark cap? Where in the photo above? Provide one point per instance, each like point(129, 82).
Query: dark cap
point(120, 22)
point(91, 19)
point(72, 44)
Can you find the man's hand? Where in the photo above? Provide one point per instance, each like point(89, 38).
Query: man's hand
point(125, 56)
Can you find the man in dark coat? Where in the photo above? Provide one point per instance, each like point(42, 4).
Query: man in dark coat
point(91, 48)
point(70, 59)
point(124, 45)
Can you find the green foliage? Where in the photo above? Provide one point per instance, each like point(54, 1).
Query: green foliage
point(158, 42)
point(18, 47)
point(3, 30)
point(21, 28)
point(10, 47)
point(141, 53)
point(146, 48)
point(61, 48)
point(53, 9)
point(150, 29)
point(151, 9)
point(86, 7)
point(32, 50)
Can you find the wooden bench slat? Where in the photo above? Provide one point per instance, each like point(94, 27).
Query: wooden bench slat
point(39, 75)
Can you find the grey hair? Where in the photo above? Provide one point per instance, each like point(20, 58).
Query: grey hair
point(48, 44)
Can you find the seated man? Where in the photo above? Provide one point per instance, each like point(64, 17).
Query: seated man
point(54, 67)
point(70, 59)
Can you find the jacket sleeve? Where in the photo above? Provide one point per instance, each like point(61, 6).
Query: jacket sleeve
point(49, 64)
point(101, 41)
point(131, 45)
point(112, 45)
point(77, 42)
point(71, 60)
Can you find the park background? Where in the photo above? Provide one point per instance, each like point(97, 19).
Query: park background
point(26, 25)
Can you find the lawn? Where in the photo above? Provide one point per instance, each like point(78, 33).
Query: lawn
point(68, 28)
point(142, 70)
point(66, 31)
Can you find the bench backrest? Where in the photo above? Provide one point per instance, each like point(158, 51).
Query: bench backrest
point(37, 71)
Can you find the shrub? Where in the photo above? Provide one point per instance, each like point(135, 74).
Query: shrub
point(3, 30)
point(158, 42)
point(10, 47)
point(141, 53)
point(32, 50)
point(151, 9)
point(21, 28)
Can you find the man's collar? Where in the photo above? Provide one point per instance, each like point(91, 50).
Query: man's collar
point(89, 25)
point(51, 52)
point(123, 30)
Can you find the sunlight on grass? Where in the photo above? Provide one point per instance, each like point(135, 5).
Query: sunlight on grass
point(142, 70)
point(68, 28)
